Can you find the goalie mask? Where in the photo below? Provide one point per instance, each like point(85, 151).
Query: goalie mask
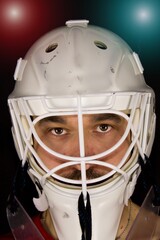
point(82, 115)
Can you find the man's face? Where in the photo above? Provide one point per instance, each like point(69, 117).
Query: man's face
point(101, 132)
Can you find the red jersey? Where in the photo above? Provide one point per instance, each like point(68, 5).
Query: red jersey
point(37, 222)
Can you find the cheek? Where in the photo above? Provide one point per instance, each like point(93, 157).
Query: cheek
point(123, 148)
point(115, 157)
point(49, 160)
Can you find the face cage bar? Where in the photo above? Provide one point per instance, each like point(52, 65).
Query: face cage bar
point(23, 140)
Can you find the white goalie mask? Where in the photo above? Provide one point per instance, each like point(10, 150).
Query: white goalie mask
point(82, 116)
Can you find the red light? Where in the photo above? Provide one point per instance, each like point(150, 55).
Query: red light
point(23, 22)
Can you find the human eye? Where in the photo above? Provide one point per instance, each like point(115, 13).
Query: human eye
point(103, 128)
point(58, 131)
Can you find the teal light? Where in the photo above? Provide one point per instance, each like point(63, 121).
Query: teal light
point(131, 18)
point(144, 15)
point(136, 21)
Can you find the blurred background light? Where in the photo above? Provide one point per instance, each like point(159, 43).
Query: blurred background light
point(14, 13)
point(144, 15)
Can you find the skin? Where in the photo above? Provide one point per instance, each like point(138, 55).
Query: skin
point(101, 132)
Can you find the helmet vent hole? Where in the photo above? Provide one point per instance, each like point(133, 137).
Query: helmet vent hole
point(51, 47)
point(100, 45)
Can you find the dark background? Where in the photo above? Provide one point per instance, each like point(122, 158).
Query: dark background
point(24, 21)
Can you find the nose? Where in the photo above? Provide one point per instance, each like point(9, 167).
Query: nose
point(79, 166)
point(89, 150)
point(88, 147)
point(76, 148)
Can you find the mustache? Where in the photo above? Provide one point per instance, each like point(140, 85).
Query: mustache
point(91, 173)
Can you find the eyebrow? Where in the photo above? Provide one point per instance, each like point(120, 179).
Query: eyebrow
point(107, 116)
point(54, 119)
point(95, 118)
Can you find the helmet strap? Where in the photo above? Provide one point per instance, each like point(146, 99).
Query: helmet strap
point(85, 217)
